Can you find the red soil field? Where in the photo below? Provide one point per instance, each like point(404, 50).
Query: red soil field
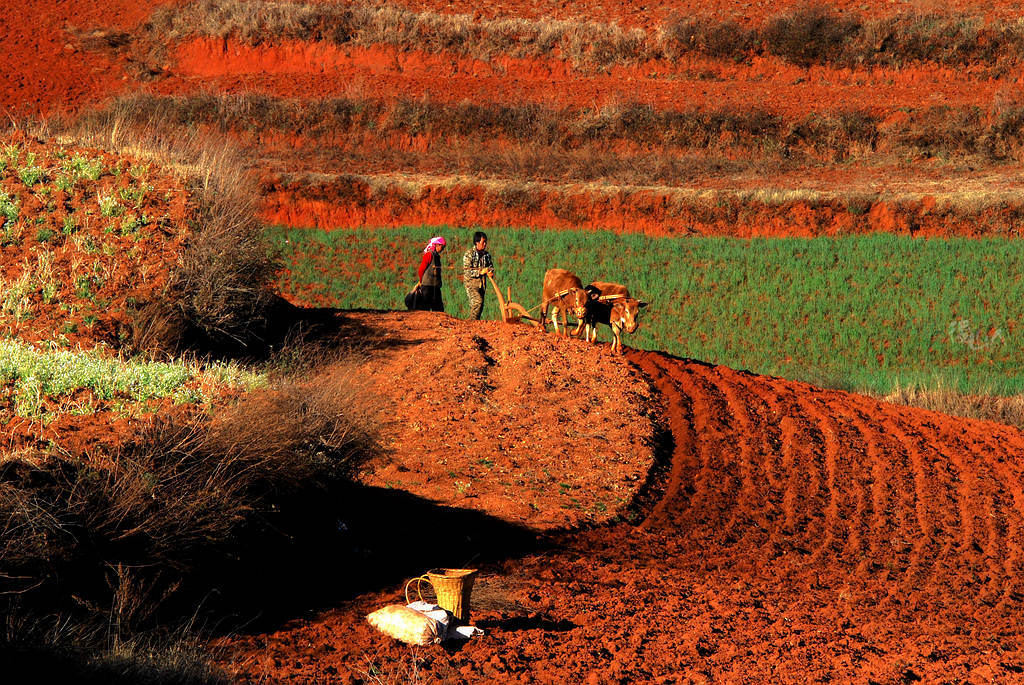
point(299, 69)
point(49, 69)
point(784, 533)
point(134, 268)
point(43, 68)
point(801, 535)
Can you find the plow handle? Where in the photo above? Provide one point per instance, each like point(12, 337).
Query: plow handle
point(501, 300)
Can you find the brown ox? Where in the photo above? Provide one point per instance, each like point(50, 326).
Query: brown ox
point(612, 306)
point(563, 293)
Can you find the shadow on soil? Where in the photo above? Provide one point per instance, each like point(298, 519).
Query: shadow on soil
point(349, 540)
point(322, 325)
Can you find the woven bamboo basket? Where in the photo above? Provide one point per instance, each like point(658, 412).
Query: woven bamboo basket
point(453, 587)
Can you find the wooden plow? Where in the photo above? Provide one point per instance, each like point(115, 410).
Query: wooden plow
point(512, 312)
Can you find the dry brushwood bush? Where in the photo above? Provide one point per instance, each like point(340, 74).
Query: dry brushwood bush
point(119, 542)
point(222, 284)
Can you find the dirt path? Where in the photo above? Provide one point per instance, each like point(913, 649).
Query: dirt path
point(802, 535)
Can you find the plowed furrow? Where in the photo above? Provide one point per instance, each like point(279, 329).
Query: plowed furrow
point(922, 536)
point(718, 484)
point(747, 517)
point(903, 538)
point(852, 474)
point(912, 506)
point(690, 494)
point(877, 499)
point(941, 482)
point(982, 500)
point(805, 497)
point(679, 406)
point(836, 529)
point(770, 479)
point(1004, 456)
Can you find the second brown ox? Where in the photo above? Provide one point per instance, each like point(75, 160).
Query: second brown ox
point(611, 304)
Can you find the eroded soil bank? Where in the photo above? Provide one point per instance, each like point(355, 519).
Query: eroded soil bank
point(663, 212)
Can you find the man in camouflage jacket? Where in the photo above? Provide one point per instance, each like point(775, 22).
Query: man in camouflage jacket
point(476, 264)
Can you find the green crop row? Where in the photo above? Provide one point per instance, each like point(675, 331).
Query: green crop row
point(871, 313)
point(32, 375)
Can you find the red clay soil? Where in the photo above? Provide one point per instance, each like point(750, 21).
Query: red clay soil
point(47, 70)
point(43, 68)
point(802, 535)
point(98, 273)
point(84, 428)
point(536, 430)
point(303, 69)
point(99, 269)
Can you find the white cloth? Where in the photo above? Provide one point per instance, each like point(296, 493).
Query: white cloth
point(445, 629)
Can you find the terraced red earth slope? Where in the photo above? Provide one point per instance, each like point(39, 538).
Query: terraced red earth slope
point(803, 535)
point(918, 189)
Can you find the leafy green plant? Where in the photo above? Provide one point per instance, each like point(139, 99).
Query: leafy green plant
point(38, 374)
point(11, 153)
point(9, 208)
point(85, 243)
point(83, 287)
point(109, 206)
point(45, 235)
point(140, 170)
point(131, 224)
point(68, 226)
point(31, 175)
point(134, 195)
point(65, 182)
point(49, 292)
point(81, 167)
point(15, 296)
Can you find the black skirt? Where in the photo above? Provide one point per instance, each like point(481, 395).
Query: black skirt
point(427, 298)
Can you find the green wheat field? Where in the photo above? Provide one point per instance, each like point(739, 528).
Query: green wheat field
point(868, 313)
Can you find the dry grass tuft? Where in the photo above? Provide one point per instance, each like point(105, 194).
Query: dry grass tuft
point(223, 284)
point(809, 35)
point(665, 146)
point(1006, 410)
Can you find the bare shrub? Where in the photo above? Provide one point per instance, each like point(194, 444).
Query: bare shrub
point(158, 327)
point(585, 43)
point(321, 423)
point(222, 284)
point(835, 135)
point(67, 648)
point(943, 131)
point(810, 35)
point(602, 44)
point(511, 196)
point(464, 131)
point(114, 548)
point(941, 38)
point(722, 39)
point(1004, 137)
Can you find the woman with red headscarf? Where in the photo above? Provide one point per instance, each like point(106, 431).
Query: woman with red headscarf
point(427, 293)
